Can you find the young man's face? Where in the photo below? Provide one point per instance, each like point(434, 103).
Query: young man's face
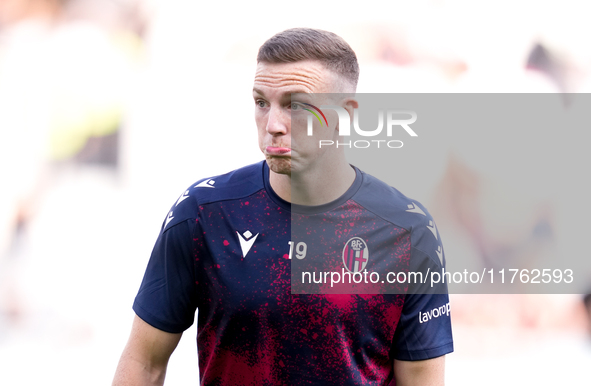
point(274, 85)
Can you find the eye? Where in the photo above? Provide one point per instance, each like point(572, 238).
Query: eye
point(260, 103)
point(295, 106)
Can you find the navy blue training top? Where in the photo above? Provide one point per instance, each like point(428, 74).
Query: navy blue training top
point(224, 248)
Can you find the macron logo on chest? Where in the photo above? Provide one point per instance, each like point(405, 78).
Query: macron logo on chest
point(246, 241)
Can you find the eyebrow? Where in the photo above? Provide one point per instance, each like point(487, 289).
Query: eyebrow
point(287, 94)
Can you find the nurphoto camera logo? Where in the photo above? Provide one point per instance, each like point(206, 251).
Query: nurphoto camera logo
point(393, 118)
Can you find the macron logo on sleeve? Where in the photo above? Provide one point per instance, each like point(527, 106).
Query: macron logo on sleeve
point(439, 252)
point(432, 228)
point(182, 198)
point(413, 208)
point(206, 184)
point(168, 219)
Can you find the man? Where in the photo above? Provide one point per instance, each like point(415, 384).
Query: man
point(225, 245)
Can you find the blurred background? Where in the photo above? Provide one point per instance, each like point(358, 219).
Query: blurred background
point(109, 109)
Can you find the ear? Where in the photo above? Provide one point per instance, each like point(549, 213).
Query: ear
point(350, 104)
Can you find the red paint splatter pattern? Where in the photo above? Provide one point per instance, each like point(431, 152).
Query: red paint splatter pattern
point(253, 331)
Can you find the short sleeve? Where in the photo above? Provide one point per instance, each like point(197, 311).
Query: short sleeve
point(424, 330)
point(167, 296)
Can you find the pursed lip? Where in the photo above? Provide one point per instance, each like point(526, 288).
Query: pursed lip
point(277, 150)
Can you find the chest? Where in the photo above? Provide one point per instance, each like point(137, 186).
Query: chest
point(247, 252)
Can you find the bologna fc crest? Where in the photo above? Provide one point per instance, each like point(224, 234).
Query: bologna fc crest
point(355, 255)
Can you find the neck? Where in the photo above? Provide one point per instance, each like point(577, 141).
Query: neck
point(313, 187)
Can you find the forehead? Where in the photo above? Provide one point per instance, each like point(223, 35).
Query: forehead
point(304, 77)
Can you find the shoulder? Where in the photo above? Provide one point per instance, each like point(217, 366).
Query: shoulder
point(390, 204)
point(393, 206)
point(236, 184)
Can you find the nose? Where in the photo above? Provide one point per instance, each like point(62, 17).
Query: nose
point(279, 121)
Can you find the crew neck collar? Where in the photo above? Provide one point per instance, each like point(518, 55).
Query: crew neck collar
point(312, 209)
